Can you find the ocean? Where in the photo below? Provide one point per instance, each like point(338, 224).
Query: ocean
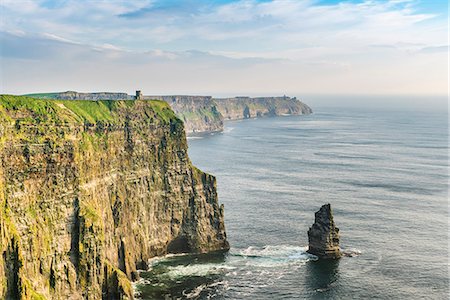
point(385, 174)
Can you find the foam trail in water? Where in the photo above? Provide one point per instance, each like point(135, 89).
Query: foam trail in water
point(351, 252)
point(158, 259)
point(273, 256)
point(202, 270)
point(194, 293)
point(267, 264)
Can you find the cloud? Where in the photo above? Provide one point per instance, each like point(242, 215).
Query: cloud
point(246, 46)
point(47, 46)
point(435, 49)
point(57, 64)
point(225, 26)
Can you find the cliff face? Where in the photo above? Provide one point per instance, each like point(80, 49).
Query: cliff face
point(199, 113)
point(205, 114)
point(89, 191)
point(245, 107)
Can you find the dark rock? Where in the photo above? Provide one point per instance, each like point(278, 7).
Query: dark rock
point(323, 235)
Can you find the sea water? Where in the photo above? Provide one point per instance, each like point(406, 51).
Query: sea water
point(385, 174)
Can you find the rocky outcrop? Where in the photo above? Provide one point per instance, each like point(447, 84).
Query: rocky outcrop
point(323, 235)
point(199, 113)
point(246, 107)
point(90, 190)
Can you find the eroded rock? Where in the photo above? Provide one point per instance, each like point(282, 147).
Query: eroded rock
point(323, 235)
point(90, 191)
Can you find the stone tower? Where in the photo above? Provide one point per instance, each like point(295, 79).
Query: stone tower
point(138, 95)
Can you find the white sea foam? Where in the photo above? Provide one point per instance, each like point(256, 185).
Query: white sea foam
point(228, 129)
point(157, 259)
point(197, 270)
point(273, 256)
point(278, 251)
point(351, 252)
point(194, 293)
point(194, 137)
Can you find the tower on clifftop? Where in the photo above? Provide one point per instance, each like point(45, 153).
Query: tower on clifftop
point(138, 95)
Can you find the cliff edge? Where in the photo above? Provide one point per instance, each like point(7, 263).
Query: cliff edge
point(90, 190)
point(245, 107)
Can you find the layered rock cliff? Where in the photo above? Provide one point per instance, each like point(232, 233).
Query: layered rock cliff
point(323, 235)
point(246, 107)
point(90, 190)
point(199, 113)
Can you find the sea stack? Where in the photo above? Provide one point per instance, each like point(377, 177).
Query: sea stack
point(323, 235)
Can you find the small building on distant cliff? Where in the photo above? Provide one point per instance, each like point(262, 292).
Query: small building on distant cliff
point(138, 95)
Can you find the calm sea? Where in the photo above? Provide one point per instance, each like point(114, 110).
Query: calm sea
point(385, 174)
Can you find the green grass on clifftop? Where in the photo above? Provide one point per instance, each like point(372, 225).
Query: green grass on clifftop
point(32, 110)
point(44, 95)
point(89, 111)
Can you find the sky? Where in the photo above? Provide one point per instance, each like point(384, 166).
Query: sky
point(225, 47)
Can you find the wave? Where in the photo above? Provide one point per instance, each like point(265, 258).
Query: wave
point(201, 270)
point(228, 129)
point(194, 293)
point(272, 256)
point(351, 252)
point(268, 256)
point(158, 259)
point(210, 276)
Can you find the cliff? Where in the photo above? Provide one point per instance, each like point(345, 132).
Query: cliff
point(199, 113)
point(323, 235)
point(202, 114)
point(90, 190)
point(246, 107)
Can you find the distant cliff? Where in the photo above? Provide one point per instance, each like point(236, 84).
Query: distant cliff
point(199, 113)
point(246, 107)
point(72, 95)
point(90, 190)
point(202, 114)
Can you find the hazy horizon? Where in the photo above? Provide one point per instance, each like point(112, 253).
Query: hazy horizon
point(225, 47)
point(431, 103)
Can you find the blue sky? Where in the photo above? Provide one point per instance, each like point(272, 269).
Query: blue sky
point(221, 47)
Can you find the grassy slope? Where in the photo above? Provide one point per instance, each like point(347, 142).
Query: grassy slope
point(199, 114)
point(44, 95)
point(73, 111)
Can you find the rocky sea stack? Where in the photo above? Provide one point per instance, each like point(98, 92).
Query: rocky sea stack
point(323, 235)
